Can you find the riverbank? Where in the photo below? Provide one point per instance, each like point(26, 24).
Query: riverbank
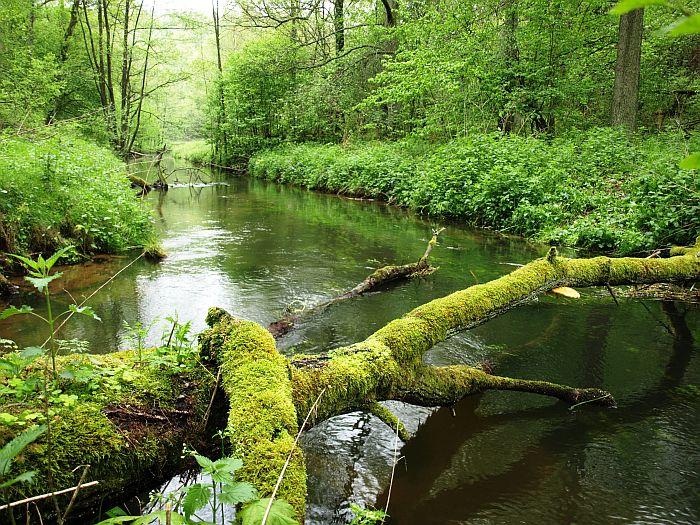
point(601, 190)
point(59, 189)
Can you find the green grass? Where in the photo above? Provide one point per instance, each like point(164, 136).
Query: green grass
point(59, 190)
point(602, 190)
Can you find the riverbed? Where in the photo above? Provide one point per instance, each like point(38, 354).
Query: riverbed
point(259, 249)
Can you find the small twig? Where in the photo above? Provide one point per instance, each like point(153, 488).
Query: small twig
point(211, 401)
point(475, 278)
point(90, 297)
point(612, 294)
point(589, 401)
point(47, 495)
point(75, 493)
point(38, 513)
point(172, 330)
point(668, 328)
point(393, 469)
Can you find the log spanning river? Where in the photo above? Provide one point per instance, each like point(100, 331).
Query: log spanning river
point(256, 249)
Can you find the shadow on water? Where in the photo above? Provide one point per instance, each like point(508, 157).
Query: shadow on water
point(256, 248)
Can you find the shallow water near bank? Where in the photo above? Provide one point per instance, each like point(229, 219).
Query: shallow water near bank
point(257, 249)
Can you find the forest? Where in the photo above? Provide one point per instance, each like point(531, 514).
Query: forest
point(278, 262)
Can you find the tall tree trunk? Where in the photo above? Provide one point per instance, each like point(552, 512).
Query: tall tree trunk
point(142, 93)
point(339, 25)
point(63, 57)
point(221, 149)
point(629, 53)
point(125, 92)
point(511, 57)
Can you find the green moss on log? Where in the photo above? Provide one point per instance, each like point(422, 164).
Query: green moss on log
point(129, 426)
point(262, 422)
point(389, 363)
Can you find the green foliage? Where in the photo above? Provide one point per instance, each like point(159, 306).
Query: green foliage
point(601, 190)
point(185, 502)
point(11, 450)
point(61, 189)
point(281, 513)
point(366, 516)
point(198, 152)
point(451, 68)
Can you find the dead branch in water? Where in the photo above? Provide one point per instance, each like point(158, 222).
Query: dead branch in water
point(378, 278)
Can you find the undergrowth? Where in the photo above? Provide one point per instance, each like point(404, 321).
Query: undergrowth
point(57, 190)
point(197, 152)
point(602, 190)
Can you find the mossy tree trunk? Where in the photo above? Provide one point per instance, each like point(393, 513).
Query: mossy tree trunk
point(271, 397)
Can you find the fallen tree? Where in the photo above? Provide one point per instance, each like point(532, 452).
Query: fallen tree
point(270, 397)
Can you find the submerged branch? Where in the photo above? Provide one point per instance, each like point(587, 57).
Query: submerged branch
point(378, 278)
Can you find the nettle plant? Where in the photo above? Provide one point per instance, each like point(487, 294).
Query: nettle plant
point(16, 381)
point(217, 491)
point(40, 277)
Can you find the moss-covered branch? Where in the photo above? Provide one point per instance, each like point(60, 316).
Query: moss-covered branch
point(389, 363)
point(262, 419)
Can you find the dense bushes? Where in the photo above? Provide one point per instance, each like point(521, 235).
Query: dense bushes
point(58, 190)
point(601, 190)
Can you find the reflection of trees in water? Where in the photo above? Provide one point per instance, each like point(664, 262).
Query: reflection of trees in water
point(547, 437)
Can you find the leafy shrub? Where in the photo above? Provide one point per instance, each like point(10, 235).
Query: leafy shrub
point(58, 190)
point(601, 190)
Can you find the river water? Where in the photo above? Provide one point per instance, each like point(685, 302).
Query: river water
point(256, 249)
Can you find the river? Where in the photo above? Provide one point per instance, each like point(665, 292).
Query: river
point(255, 249)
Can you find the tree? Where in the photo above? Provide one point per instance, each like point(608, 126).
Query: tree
point(627, 69)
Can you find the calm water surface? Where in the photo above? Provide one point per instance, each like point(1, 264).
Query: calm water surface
point(255, 249)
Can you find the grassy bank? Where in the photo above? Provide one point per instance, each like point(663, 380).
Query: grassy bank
point(59, 190)
point(600, 190)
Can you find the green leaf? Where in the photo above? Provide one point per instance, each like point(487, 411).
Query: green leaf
point(116, 511)
point(625, 6)
point(281, 513)
point(32, 352)
point(691, 162)
point(40, 283)
point(14, 447)
point(56, 256)
point(148, 519)
point(206, 463)
point(26, 261)
point(235, 493)
point(84, 310)
point(690, 25)
point(12, 310)
point(196, 497)
point(24, 477)
point(229, 465)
